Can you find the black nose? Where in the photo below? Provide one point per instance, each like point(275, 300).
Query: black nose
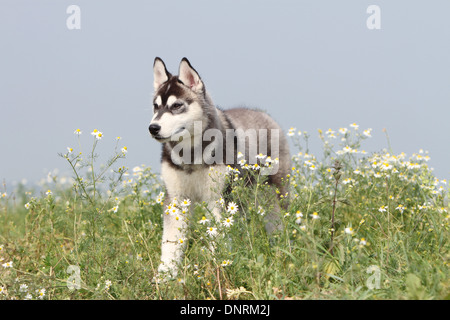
point(154, 129)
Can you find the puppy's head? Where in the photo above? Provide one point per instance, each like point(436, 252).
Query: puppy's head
point(177, 102)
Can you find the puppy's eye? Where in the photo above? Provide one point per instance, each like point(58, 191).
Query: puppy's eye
point(176, 106)
point(155, 106)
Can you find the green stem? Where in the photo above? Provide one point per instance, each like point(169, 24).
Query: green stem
point(92, 166)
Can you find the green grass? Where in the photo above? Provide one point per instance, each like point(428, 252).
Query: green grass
point(382, 232)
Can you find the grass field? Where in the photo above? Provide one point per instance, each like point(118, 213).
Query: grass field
point(359, 225)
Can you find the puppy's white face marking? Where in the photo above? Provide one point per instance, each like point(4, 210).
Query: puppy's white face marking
point(171, 100)
point(168, 88)
point(169, 124)
point(158, 100)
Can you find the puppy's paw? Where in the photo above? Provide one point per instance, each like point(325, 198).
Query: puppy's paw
point(165, 273)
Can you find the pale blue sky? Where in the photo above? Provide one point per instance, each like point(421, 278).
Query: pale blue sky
point(310, 64)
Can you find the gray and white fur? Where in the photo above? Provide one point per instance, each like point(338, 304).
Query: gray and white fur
point(183, 114)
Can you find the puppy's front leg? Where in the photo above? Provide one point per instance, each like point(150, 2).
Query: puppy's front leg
point(173, 242)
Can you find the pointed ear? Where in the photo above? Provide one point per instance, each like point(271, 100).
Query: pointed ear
point(189, 76)
point(160, 73)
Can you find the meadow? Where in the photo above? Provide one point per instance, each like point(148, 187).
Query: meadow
point(358, 225)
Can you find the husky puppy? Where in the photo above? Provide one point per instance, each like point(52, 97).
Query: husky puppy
point(199, 139)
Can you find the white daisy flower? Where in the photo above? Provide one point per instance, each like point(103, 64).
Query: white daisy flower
point(291, 132)
point(315, 215)
point(221, 202)
point(226, 263)
point(368, 132)
point(185, 203)
point(261, 211)
point(97, 134)
point(41, 293)
point(232, 208)
point(348, 230)
point(400, 208)
point(203, 220)
point(261, 156)
point(108, 284)
point(228, 222)
point(211, 231)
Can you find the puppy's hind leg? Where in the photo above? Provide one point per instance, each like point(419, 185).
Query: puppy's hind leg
point(273, 219)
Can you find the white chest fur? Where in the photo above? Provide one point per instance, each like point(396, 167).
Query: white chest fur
point(204, 184)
